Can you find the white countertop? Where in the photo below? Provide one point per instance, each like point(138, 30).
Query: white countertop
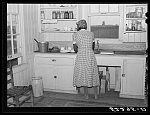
point(97, 55)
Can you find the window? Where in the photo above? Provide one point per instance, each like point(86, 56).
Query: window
point(13, 32)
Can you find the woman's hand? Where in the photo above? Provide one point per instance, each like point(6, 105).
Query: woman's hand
point(75, 47)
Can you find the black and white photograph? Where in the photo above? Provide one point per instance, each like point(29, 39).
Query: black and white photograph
point(80, 56)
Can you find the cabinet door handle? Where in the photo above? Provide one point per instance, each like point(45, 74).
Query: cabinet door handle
point(55, 76)
point(123, 75)
point(53, 60)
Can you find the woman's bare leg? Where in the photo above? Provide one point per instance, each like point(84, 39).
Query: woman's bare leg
point(78, 89)
point(95, 92)
point(86, 92)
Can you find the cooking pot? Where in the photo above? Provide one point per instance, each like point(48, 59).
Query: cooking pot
point(43, 46)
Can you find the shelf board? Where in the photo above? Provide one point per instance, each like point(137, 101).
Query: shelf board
point(136, 18)
point(13, 34)
point(134, 5)
point(135, 31)
point(10, 57)
point(50, 31)
point(73, 7)
point(105, 14)
point(61, 19)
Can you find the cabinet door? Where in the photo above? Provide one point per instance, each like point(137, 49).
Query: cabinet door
point(134, 77)
point(104, 8)
point(46, 71)
point(64, 79)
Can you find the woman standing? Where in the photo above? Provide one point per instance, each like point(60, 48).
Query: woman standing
point(85, 70)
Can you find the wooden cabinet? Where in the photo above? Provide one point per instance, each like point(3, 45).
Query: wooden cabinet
point(45, 71)
point(133, 78)
point(135, 27)
point(64, 80)
point(132, 73)
point(57, 73)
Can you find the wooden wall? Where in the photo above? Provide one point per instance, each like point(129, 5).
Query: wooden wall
point(30, 31)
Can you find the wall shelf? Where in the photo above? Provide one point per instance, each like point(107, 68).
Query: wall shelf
point(61, 19)
point(105, 14)
point(136, 18)
point(72, 7)
point(50, 31)
point(140, 31)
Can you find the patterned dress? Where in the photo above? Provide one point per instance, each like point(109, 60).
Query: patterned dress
point(85, 70)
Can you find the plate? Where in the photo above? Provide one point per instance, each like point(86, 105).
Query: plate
point(65, 51)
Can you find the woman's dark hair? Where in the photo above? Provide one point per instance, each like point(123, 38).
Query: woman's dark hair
point(81, 25)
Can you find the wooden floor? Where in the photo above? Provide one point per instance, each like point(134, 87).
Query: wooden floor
point(109, 99)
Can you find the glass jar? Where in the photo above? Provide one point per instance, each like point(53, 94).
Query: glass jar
point(42, 15)
point(139, 12)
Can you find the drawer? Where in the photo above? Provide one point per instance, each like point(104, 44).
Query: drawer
point(54, 60)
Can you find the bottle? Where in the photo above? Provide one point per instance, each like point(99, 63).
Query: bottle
point(62, 15)
point(97, 45)
point(58, 15)
point(103, 23)
point(66, 15)
point(42, 15)
point(71, 14)
point(54, 15)
point(133, 27)
point(129, 26)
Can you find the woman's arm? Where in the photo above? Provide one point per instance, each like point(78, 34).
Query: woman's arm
point(75, 47)
point(93, 45)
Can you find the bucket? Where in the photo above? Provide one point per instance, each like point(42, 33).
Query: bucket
point(43, 46)
point(37, 86)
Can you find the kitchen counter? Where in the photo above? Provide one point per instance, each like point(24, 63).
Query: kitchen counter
point(74, 55)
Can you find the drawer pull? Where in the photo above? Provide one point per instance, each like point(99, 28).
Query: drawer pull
point(123, 75)
point(53, 60)
point(55, 76)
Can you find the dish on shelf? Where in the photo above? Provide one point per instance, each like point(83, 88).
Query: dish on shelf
point(67, 51)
